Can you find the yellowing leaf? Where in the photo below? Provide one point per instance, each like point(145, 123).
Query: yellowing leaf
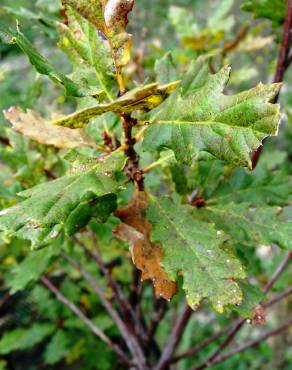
point(32, 125)
point(141, 98)
point(89, 52)
point(111, 18)
point(147, 256)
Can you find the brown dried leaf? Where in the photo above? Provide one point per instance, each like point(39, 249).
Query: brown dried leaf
point(135, 229)
point(32, 125)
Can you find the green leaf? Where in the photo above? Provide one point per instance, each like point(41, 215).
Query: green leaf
point(88, 51)
point(199, 117)
point(3, 365)
point(252, 296)
point(220, 20)
point(21, 339)
point(42, 65)
point(141, 98)
point(105, 362)
point(260, 225)
point(57, 348)
point(165, 69)
point(272, 9)
point(179, 178)
point(195, 249)
point(220, 185)
point(31, 268)
point(183, 21)
point(66, 204)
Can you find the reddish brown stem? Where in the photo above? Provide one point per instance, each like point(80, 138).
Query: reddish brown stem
point(285, 45)
point(278, 297)
point(160, 307)
point(251, 343)
point(175, 338)
point(129, 338)
point(132, 168)
point(239, 323)
point(96, 331)
point(204, 343)
point(282, 64)
point(119, 296)
point(282, 266)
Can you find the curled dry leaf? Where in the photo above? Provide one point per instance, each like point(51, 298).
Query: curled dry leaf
point(32, 125)
point(135, 229)
point(111, 18)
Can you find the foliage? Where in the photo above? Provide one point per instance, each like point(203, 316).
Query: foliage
point(273, 10)
point(199, 117)
point(123, 162)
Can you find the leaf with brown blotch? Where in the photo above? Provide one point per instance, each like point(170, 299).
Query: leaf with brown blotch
point(32, 125)
point(144, 98)
point(111, 18)
point(135, 229)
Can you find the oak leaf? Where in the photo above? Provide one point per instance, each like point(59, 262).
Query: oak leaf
point(67, 204)
point(135, 229)
point(197, 116)
point(42, 65)
point(32, 125)
point(197, 251)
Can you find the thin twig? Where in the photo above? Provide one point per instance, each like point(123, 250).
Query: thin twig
point(175, 338)
point(129, 338)
point(193, 351)
point(282, 64)
point(285, 44)
point(278, 297)
point(119, 296)
point(99, 333)
point(128, 313)
point(135, 297)
point(160, 307)
point(282, 266)
point(204, 343)
point(132, 168)
point(230, 45)
point(251, 343)
point(135, 289)
point(239, 323)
